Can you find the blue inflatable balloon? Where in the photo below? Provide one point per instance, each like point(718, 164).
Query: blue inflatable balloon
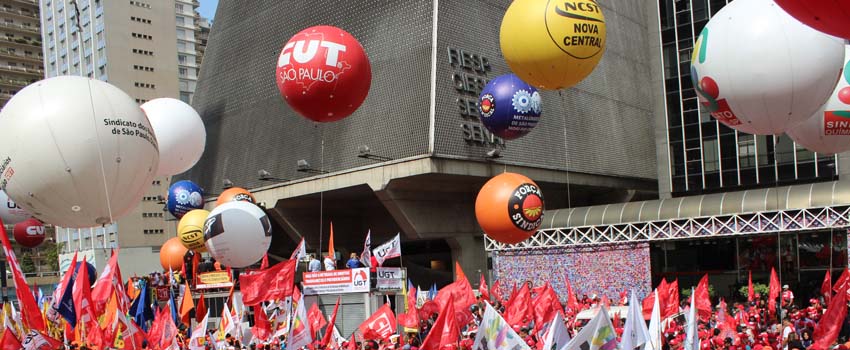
point(509, 107)
point(183, 197)
point(91, 270)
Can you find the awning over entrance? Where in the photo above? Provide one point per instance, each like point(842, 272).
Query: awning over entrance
point(824, 194)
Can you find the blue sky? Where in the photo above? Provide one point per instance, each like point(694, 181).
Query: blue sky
point(207, 8)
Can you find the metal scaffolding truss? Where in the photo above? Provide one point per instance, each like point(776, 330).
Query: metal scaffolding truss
point(790, 220)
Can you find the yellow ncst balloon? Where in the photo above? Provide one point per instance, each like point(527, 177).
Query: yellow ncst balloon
point(190, 229)
point(553, 44)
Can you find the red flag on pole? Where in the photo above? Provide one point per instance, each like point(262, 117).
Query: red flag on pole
point(751, 292)
point(9, 341)
point(265, 263)
point(82, 297)
point(482, 288)
point(572, 301)
point(845, 276)
point(444, 331)
point(773, 292)
point(461, 292)
point(201, 308)
point(30, 312)
point(270, 284)
point(410, 319)
point(663, 292)
point(380, 326)
point(330, 330)
point(517, 312)
point(703, 301)
point(672, 300)
point(262, 327)
point(830, 323)
point(316, 319)
point(826, 287)
point(497, 291)
point(546, 306)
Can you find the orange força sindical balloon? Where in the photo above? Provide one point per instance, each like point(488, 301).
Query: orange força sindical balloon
point(235, 194)
point(171, 254)
point(509, 208)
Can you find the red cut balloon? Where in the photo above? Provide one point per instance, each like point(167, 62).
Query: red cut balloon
point(828, 16)
point(323, 73)
point(29, 233)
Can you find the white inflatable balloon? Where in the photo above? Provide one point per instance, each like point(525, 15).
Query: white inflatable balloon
point(180, 133)
point(75, 152)
point(237, 233)
point(10, 212)
point(828, 131)
point(759, 70)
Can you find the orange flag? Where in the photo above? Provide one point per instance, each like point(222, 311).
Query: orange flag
point(186, 305)
point(331, 251)
point(131, 289)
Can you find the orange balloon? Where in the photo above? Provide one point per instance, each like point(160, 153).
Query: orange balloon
point(171, 254)
point(509, 208)
point(235, 194)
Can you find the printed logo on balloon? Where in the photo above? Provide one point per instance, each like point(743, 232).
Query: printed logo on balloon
point(525, 207)
point(183, 197)
point(707, 89)
point(323, 73)
point(574, 27)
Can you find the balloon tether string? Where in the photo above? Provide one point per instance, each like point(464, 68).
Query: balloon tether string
point(566, 151)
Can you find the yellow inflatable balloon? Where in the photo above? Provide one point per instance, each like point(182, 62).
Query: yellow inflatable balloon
point(190, 229)
point(553, 44)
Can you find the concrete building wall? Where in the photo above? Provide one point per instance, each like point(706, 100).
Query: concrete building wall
point(20, 46)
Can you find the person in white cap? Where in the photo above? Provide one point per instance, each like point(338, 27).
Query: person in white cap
point(787, 296)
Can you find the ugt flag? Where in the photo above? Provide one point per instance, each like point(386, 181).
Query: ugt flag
point(389, 250)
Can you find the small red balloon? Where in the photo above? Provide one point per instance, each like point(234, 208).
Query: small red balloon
point(844, 95)
point(29, 233)
point(323, 73)
point(709, 86)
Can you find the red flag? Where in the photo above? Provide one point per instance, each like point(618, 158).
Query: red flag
point(158, 325)
point(830, 323)
point(429, 308)
point(262, 327)
point(774, 291)
point(201, 308)
point(546, 306)
point(461, 292)
point(703, 301)
point(751, 292)
point(663, 292)
point(826, 287)
point(270, 284)
point(444, 331)
point(169, 332)
point(518, 313)
point(380, 326)
point(572, 301)
point(316, 319)
point(36, 340)
point(82, 297)
point(410, 319)
point(30, 312)
point(330, 330)
point(647, 304)
point(482, 288)
point(9, 341)
point(497, 291)
point(265, 263)
point(672, 302)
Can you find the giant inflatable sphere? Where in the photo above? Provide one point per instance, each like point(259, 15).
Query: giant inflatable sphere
point(75, 152)
point(509, 208)
point(171, 254)
point(828, 131)
point(190, 230)
point(553, 44)
point(29, 233)
point(509, 107)
point(237, 233)
point(180, 133)
point(759, 70)
point(234, 194)
point(184, 196)
point(323, 73)
point(10, 212)
point(828, 16)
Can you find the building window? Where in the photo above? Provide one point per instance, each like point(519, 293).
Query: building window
point(143, 52)
point(182, 72)
point(710, 159)
point(142, 36)
point(143, 68)
point(140, 4)
point(746, 151)
point(145, 85)
point(140, 20)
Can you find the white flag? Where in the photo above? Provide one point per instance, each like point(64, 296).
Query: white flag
point(598, 334)
point(300, 252)
point(494, 333)
point(691, 336)
point(653, 342)
point(635, 332)
point(366, 256)
point(196, 342)
point(389, 250)
point(299, 332)
point(557, 337)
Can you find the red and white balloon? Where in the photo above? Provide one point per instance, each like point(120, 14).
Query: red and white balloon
point(323, 73)
point(29, 233)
